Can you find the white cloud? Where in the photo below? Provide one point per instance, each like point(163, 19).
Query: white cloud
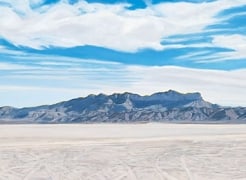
point(235, 44)
point(111, 26)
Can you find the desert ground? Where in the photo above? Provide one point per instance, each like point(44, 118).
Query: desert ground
point(123, 152)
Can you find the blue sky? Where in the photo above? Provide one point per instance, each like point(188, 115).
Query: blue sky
point(54, 50)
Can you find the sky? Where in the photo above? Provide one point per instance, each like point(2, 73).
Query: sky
point(56, 50)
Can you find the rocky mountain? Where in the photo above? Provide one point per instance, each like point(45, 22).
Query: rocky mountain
point(170, 106)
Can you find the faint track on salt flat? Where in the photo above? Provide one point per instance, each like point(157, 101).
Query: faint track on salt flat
point(187, 170)
point(163, 175)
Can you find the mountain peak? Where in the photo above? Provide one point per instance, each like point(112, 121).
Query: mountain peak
point(172, 95)
point(125, 107)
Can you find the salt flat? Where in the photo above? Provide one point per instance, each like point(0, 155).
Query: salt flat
point(122, 151)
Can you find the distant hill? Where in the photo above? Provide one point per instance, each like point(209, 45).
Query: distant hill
point(170, 106)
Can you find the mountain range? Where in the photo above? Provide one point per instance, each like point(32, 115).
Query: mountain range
point(170, 106)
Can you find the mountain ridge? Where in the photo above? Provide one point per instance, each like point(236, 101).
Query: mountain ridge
point(169, 106)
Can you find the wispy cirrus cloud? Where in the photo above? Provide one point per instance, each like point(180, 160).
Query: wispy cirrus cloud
point(228, 34)
point(222, 87)
point(60, 72)
point(232, 48)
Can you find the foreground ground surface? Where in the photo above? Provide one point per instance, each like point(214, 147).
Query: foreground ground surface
point(118, 152)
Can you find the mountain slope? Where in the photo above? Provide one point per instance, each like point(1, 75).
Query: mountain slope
point(126, 107)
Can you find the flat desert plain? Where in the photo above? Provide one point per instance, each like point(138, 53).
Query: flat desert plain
point(123, 152)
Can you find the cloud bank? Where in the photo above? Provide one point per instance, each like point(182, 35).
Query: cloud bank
point(112, 26)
